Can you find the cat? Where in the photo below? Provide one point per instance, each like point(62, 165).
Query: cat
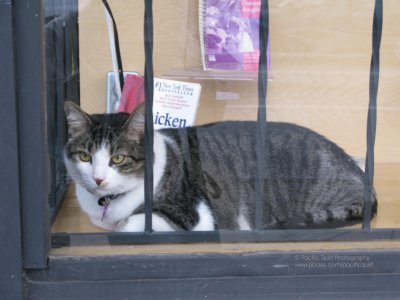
point(204, 176)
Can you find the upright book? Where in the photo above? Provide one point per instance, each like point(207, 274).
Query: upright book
point(175, 103)
point(229, 34)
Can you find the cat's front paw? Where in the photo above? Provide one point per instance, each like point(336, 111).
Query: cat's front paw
point(98, 222)
point(130, 225)
point(136, 223)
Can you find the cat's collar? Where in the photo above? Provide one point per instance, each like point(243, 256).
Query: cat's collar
point(105, 200)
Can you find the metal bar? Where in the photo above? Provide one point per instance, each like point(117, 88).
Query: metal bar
point(371, 120)
point(231, 286)
point(56, 124)
point(217, 265)
point(332, 274)
point(34, 155)
point(221, 236)
point(62, 82)
point(51, 92)
point(148, 130)
point(11, 283)
point(261, 117)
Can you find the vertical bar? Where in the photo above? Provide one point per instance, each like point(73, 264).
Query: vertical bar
point(261, 117)
point(32, 131)
point(371, 120)
point(73, 51)
point(51, 91)
point(11, 283)
point(57, 102)
point(148, 130)
point(60, 81)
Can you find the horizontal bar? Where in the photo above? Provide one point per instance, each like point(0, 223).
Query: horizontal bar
point(221, 236)
point(215, 265)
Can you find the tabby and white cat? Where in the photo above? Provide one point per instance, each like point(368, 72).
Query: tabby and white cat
point(204, 176)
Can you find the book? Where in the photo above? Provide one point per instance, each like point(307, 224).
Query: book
point(229, 34)
point(175, 103)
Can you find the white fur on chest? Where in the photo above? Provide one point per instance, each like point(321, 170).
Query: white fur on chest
point(117, 210)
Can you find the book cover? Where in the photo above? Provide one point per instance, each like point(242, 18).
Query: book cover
point(229, 34)
point(175, 103)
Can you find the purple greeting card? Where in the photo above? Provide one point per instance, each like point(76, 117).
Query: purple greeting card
point(229, 34)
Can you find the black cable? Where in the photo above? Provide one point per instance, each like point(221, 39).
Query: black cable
point(371, 120)
point(117, 49)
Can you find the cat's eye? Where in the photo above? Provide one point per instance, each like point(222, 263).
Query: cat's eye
point(83, 156)
point(118, 159)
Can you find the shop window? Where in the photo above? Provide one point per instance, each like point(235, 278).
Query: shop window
point(205, 71)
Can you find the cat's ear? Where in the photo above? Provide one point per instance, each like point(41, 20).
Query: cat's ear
point(135, 121)
point(78, 120)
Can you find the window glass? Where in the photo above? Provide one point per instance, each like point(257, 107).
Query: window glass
point(205, 60)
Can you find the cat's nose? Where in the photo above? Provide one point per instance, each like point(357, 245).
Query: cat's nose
point(98, 180)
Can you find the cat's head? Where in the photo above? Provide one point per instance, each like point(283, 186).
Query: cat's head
point(105, 152)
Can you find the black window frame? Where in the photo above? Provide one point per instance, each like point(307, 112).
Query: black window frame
point(30, 272)
point(11, 278)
